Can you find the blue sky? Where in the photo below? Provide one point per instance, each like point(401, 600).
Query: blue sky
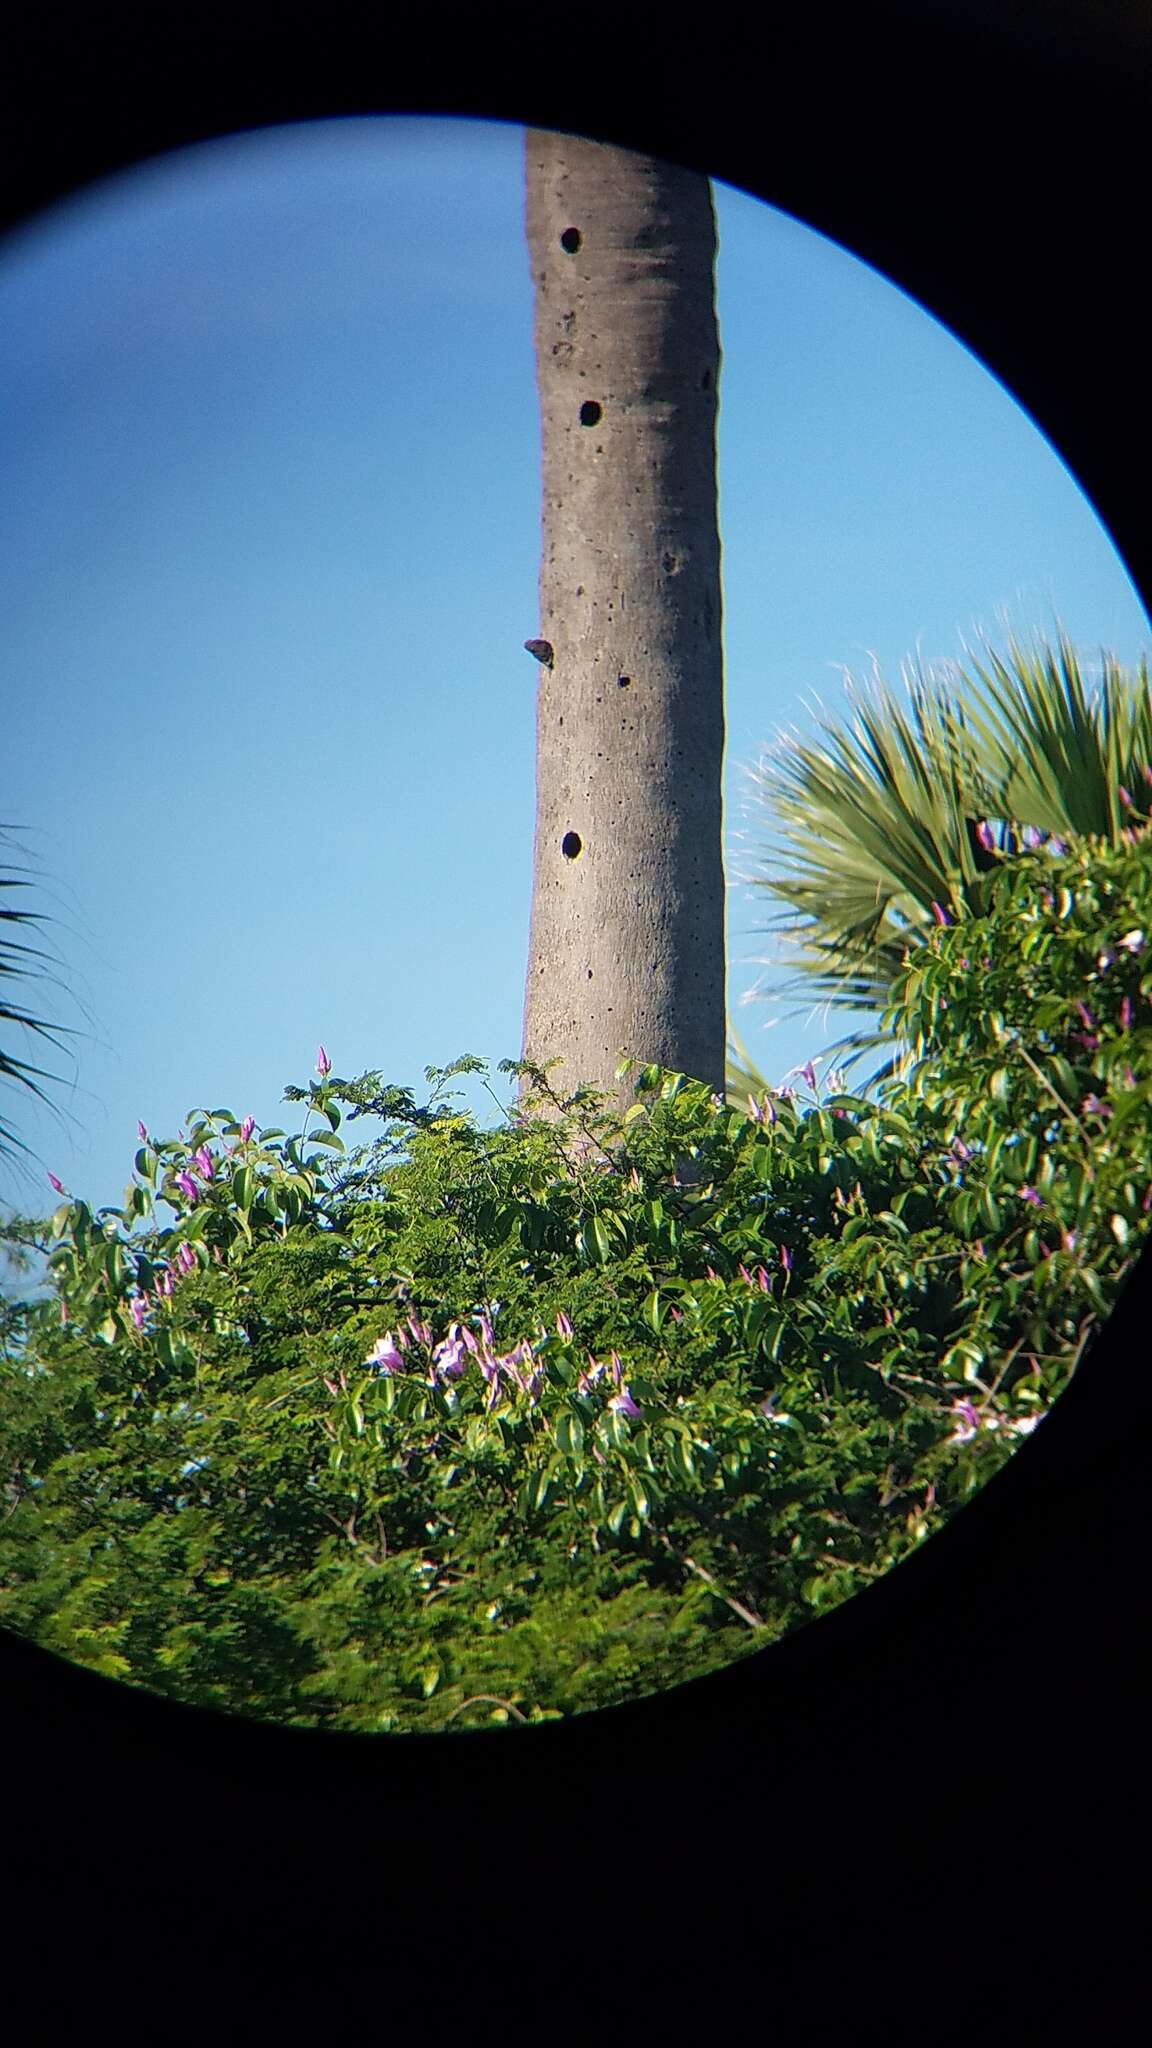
point(269, 528)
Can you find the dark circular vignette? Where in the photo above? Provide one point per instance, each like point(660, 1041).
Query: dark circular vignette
point(928, 1790)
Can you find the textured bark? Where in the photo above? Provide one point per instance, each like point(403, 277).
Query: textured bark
point(626, 953)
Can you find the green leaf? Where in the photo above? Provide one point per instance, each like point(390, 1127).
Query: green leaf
point(570, 1432)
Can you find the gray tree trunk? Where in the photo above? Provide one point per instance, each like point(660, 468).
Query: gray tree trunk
point(626, 953)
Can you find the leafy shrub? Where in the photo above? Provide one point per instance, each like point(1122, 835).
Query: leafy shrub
point(449, 1428)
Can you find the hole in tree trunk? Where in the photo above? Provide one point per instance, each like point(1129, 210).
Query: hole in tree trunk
point(570, 845)
point(570, 241)
point(590, 413)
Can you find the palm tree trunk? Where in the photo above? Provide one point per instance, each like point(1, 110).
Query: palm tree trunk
point(626, 953)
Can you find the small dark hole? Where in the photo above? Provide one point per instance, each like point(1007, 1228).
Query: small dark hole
point(590, 413)
point(570, 845)
point(570, 241)
point(624, 682)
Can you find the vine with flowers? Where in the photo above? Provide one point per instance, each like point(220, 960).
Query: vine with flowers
point(450, 1427)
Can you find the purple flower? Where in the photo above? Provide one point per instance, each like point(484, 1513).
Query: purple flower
point(623, 1404)
point(57, 1184)
point(187, 1186)
point(202, 1160)
point(762, 1279)
point(138, 1311)
point(745, 1275)
point(1056, 846)
point(984, 836)
point(1030, 1195)
point(960, 1149)
point(1092, 1106)
point(323, 1063)
point(1126, 1014)
point(164, 1283)
point(1068, 1239)
point(186, 1258)
point(421, 1334)
point(448, 1358)
point(384, 1354)
point(940, 914)
point(143, 1133)
point(617, 1369)
point(563, 1325)
point(1125, 797)
point(1132, 942)
point(967, 1422)
point(246, 1129)
point(1085, 1016)
point(785, 1258)
point(588, 1379)
point(1032, 838)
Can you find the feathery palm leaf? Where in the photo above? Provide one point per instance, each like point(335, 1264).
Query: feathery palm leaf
point(913, 804)
point(17, 960)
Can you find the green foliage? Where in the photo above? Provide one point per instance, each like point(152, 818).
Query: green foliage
point(448, 1430)
point(880, 819)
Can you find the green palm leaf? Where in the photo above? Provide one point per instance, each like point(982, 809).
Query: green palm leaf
point(875, 823)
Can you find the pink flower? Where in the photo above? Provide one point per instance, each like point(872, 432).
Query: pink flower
point(1092, 1106)
point(246, 1129)
point(143, 1133)
point(984, 836)
point(1125, 798)
point(1030, 1195)
point(1126, 1014)
point(138, 1311)
point(384, 1354)
point(967, 1422)
point(186, 1258)
point(58, 1185)
point(785, 1258)
point(623, 1404)
point(202, 1159)
point(323, 1063)
point(563, 1325)
point(187, 1186)
point(940, 914)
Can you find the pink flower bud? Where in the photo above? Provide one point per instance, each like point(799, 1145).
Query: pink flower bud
point(143, 1133)
point(247, 1128)
point(323, 1063)
point(58, 1185)
point(563, 1325)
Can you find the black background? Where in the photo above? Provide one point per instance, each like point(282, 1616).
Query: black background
point(926, 1815)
